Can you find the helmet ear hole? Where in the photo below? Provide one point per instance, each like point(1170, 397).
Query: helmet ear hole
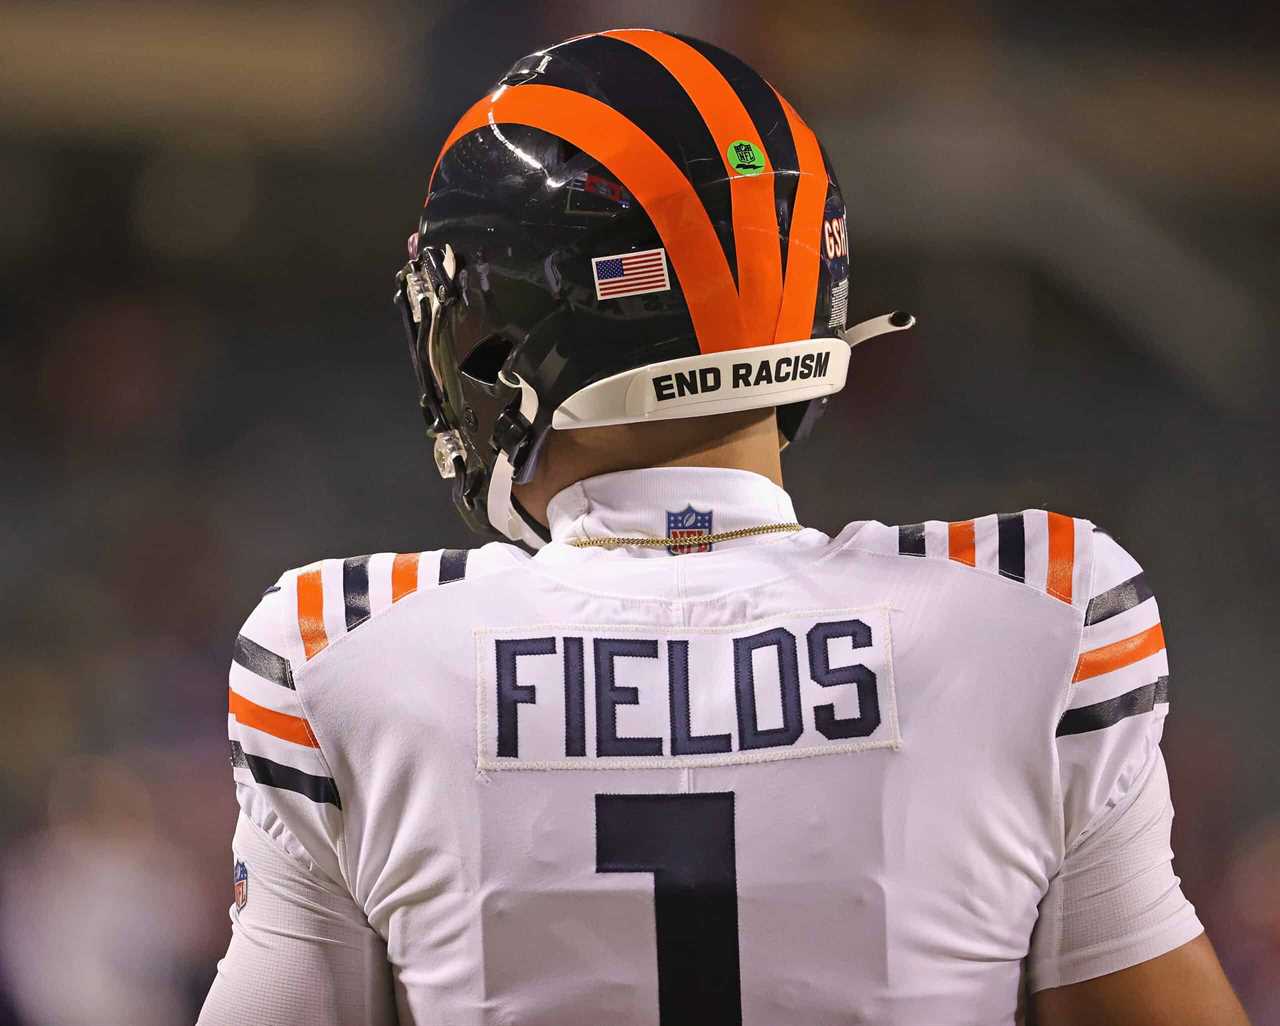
point(487, 359)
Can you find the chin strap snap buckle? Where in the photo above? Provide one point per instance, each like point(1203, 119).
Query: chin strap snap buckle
point(510, 434)
point(899, 320)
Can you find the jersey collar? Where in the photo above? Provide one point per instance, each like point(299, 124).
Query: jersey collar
point(682, 503)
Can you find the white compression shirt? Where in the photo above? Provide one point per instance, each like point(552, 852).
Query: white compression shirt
point(792, 779)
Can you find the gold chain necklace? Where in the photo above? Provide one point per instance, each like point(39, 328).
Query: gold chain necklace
point(614, 541)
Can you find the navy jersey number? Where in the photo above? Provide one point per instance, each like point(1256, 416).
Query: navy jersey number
point(687, 842)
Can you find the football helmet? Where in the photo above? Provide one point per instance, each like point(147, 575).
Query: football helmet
point(632, 225)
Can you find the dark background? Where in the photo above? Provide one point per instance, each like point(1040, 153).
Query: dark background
point(201, 210)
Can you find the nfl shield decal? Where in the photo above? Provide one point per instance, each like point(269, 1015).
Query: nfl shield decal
point(240, 880)
point(685, 526)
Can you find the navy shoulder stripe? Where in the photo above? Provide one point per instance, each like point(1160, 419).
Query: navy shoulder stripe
point(355, 590)
point(321, 790)
point(265, 663)
point(1012, 542)
point(453, 565)
point(1122, 597)
point(1105, 714)
point(911, 539)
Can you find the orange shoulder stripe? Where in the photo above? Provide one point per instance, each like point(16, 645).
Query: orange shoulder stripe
point(311, 612)
point(650, 175)
point(961, 545)
point(755, 223)
point(800, 286)
point(1119, 653)
point(404, 574)
point(277, 724)
point(1062, 556)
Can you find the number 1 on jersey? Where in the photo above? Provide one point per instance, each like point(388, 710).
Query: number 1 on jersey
point(687, 842)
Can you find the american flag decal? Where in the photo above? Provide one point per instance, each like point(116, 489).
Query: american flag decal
point(630, 274)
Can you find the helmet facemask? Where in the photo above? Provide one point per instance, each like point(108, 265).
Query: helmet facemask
point(470, 404)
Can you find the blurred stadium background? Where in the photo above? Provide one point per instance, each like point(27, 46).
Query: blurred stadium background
point(204, 383)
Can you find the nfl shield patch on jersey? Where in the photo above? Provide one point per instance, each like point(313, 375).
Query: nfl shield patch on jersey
point(240, 882)
point(685, 524)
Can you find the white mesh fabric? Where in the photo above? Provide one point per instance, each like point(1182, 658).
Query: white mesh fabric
point(301, 953)
point(1115, 901)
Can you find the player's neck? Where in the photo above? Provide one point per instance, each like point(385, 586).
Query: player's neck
point(741, 441)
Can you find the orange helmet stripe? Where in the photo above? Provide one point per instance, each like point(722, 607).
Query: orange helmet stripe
point(755, 225)
point(650, 175)
point(477, 116)
point(800, 287)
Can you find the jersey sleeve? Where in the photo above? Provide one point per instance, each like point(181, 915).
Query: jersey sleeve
point(1115, 900)
point(301, 953)
point(283, 782)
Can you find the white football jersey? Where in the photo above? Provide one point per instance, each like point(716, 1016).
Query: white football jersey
point(782, 779)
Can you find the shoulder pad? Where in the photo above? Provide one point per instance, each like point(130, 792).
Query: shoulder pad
point(336, 596)
point(272, 742)
point(1046, 551)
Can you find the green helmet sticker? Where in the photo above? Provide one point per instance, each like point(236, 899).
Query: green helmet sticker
point(745, 157)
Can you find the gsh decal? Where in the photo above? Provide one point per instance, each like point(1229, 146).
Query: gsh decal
point(835, 237)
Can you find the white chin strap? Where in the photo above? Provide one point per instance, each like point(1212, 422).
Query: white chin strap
point(614, 397)
point(498, 506)
point(899, 320)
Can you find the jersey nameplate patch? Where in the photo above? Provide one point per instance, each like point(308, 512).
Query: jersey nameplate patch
point(633, 697)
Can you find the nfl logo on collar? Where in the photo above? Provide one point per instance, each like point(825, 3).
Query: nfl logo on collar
point(240, 879)
point(685, 524)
